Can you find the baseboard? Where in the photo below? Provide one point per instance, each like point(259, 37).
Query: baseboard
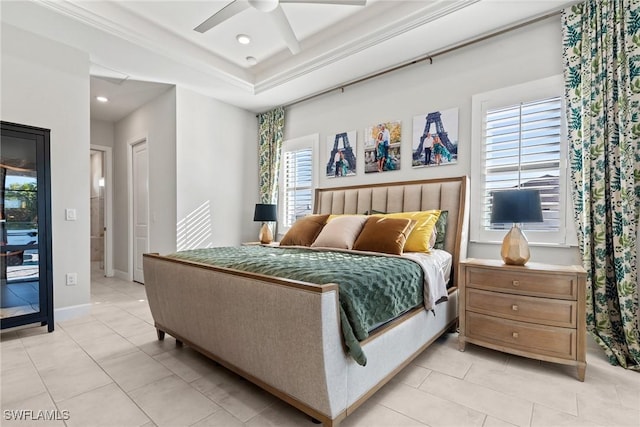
point(122, 275)
point(71, 312)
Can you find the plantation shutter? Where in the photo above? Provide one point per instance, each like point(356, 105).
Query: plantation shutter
point(522, 150)
point(298, 184)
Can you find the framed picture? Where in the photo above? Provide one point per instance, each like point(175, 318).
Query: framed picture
point(341, 149)
point(382, 147)
point(435, 139)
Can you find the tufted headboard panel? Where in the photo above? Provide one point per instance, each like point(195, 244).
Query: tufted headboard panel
point(449, 194)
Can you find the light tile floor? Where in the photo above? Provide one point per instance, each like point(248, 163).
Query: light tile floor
point(109, 369)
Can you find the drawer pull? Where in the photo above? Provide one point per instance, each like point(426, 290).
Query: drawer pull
point(516, 283)
point(514, 307)
point(514, 335)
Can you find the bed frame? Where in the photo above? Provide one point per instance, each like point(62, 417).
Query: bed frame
point(284, 335)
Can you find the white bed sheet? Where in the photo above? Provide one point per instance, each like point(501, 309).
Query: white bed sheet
point(437, 271)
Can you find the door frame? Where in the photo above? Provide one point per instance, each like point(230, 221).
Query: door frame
point(108, 206)
point(131, 145)
point(45, 314)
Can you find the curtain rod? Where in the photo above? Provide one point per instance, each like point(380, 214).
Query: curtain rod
point(428, 57)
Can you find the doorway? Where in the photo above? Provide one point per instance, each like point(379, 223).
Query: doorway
point(101, 211)
point(26, 284)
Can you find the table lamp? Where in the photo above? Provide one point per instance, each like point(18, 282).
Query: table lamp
point(265, 213)
point(516, 206)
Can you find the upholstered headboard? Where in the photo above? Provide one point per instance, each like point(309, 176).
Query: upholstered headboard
point(445, 194)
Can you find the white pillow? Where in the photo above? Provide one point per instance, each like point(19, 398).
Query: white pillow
point(341, 232)
point(433, 238)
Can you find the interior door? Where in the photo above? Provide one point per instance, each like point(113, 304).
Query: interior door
point(140, 178)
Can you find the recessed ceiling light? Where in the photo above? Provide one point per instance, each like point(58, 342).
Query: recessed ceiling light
point(243, 39)
point(251, 60)
point(102, 99)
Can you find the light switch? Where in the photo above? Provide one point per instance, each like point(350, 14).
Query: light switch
point(70, 214)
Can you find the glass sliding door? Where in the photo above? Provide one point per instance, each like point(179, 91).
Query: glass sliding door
point(25, 236)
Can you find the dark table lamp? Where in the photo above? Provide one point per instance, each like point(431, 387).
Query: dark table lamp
point(516, 206)
point(265, 213)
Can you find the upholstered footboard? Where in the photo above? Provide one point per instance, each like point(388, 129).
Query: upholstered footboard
point(282, 335)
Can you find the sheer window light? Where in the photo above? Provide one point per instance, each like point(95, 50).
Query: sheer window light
point(519, 142)
point(522, 150)
point(298, 181)
point(298, 191)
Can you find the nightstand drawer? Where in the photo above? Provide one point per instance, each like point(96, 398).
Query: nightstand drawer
point(545, 340)
point(524, 283)
point(526, 309)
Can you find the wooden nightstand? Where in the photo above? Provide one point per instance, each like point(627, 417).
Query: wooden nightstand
point(536, 310)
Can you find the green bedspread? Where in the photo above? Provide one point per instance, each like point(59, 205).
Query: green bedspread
point(372, 289)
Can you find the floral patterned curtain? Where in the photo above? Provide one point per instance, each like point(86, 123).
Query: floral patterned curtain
point(270, 134)
point(601, 50)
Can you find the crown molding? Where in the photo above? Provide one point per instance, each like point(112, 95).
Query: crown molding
point(166, 43)
point(171, 45)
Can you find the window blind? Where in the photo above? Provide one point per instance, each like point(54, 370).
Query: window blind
point(522, 150)
point(298, 183)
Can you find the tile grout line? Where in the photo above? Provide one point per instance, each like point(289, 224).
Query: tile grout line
point(476, 410)
point(175, 374)
point(533, 408)
point(113, 381)
point(535, 402)
point(152, 357)
point(46, 387)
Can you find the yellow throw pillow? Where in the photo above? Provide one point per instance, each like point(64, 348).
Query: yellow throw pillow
point(418, 240)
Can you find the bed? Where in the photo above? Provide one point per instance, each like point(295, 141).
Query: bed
point(285, 335)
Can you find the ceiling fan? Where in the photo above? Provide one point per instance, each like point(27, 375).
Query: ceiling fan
point(274, 12)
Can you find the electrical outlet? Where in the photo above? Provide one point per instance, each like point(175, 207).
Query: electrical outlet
point(70, 214)
point(72, 279)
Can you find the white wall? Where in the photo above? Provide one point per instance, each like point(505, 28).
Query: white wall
point(155, 121)
point(217, 178)
point(46, 84)
point(202, 173)
point(519, 56)
point(102, 133)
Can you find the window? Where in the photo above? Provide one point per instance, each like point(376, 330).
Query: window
point(297, 181)
point(297, 184)
point(519, 141)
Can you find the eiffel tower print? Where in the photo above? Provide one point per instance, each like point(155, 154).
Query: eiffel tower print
point(342, 158)
point(436, 143)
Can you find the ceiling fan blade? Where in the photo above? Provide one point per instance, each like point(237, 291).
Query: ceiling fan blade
point(222, 15)
point(284, 27)
point(336, 2)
